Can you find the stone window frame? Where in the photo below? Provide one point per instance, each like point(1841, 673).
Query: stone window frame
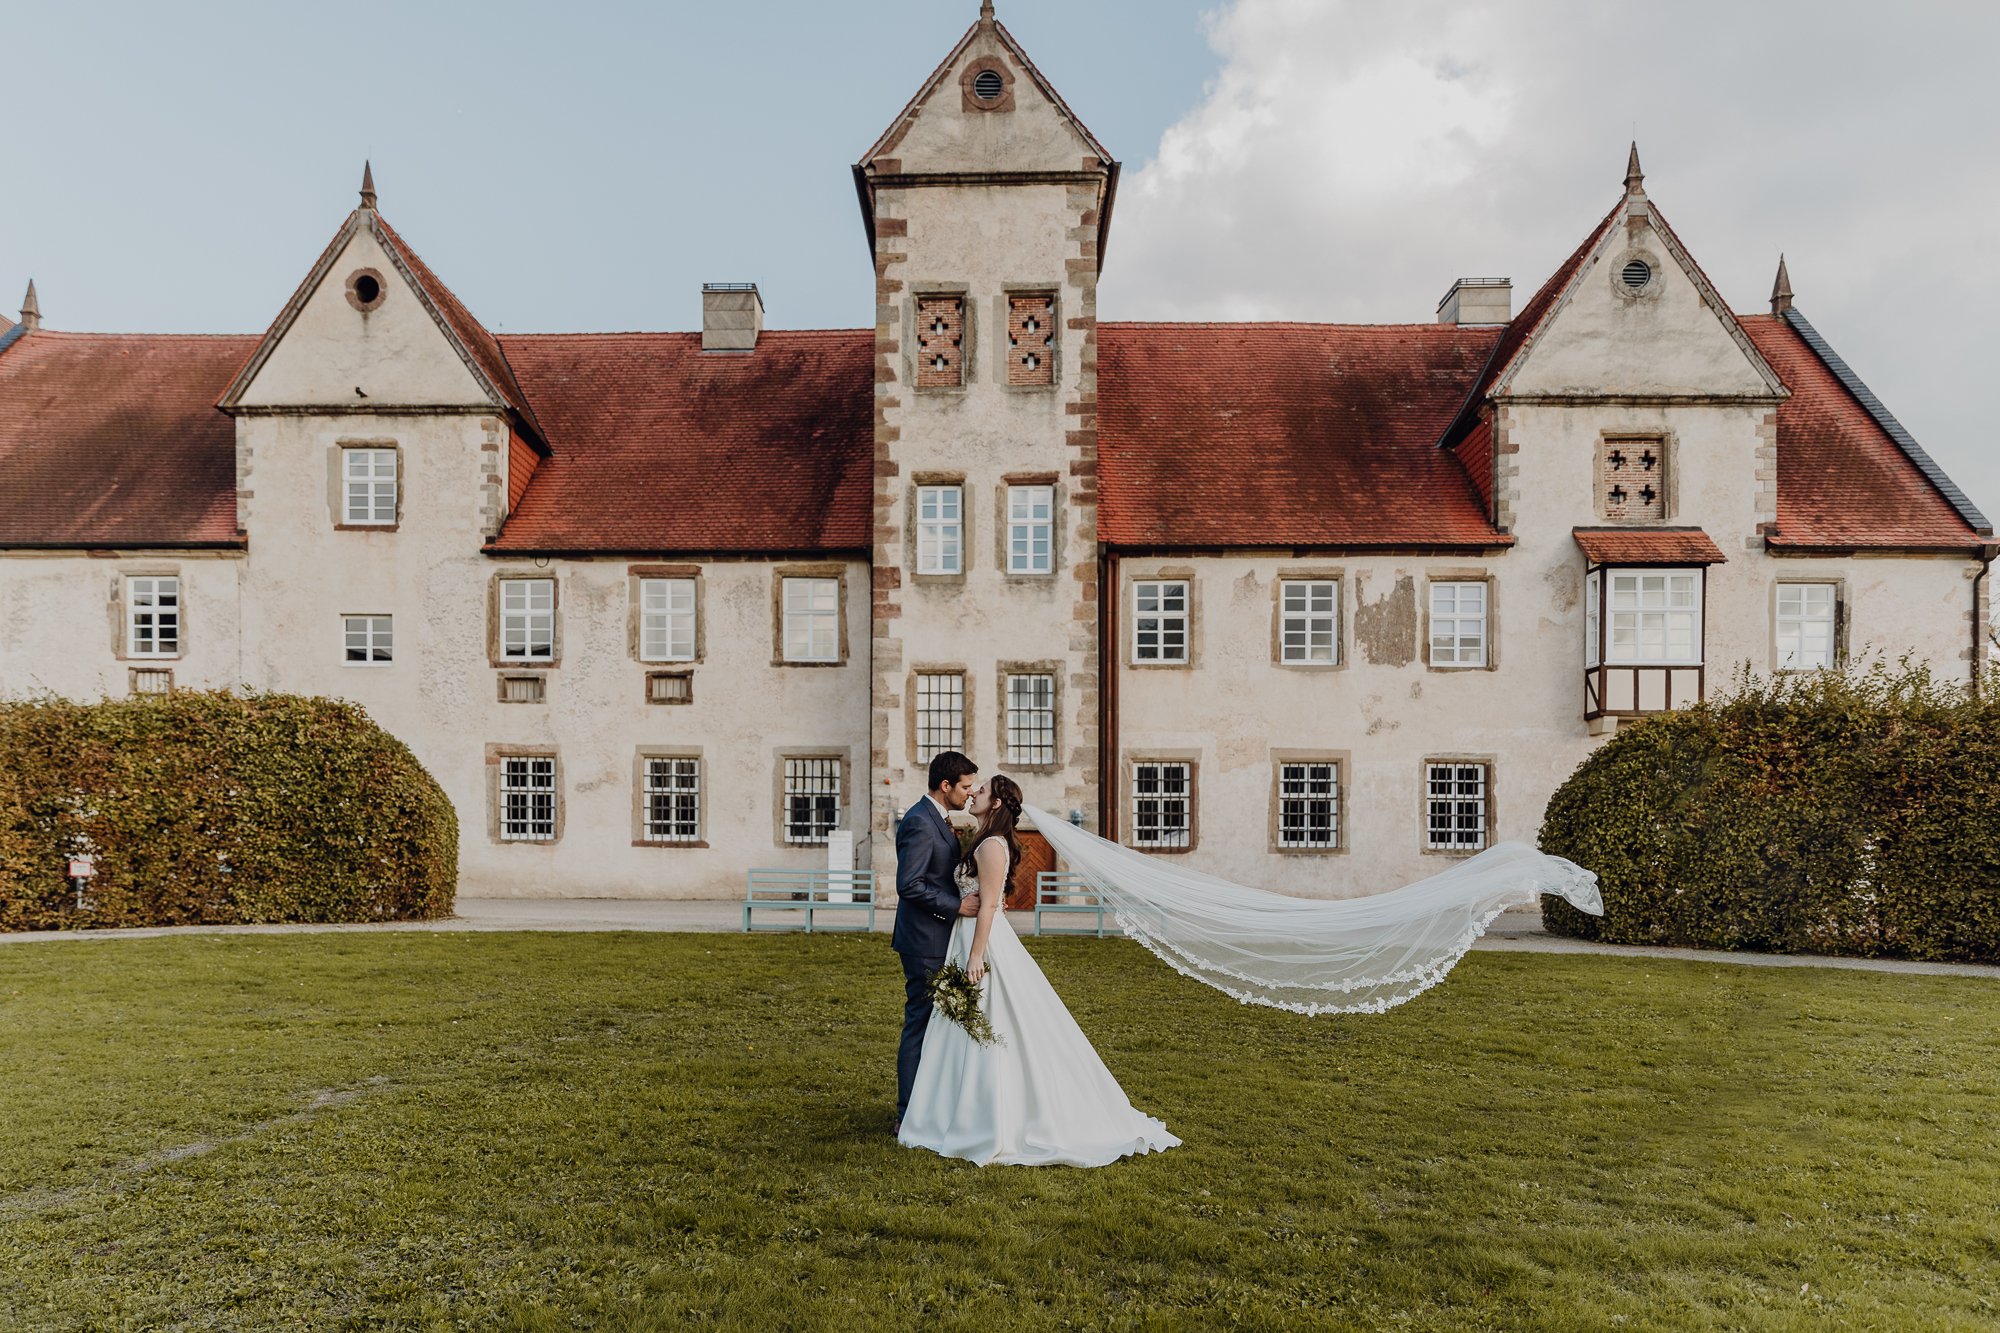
point(846, 791)
point(1002, 672)
point(132, 675)
point(779, 573)
point(337, 482)
point(635, 625)
point(640, 755)
point(1002, 523)
point(1343, 622)
point(1129, 648)
point(684, 674)
point(1003, 309)
point(1491, 763)
point(369, 665)
point(354, 297)
point(912, 520)
point(1129, 774)
point(1343, 763)
point(540, 679)
point(1670, 459)
point(1615, 270)
point(495, 754)
point(1840, 620)
point(970, 101)
point(119, 605)
point(1466, 574)
point(493, 637)
point(964, 674)
point(968, 342)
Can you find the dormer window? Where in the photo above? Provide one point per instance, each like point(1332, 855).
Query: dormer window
point(1632, 478)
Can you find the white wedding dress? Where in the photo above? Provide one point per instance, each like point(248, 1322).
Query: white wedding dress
point(1039, 1096)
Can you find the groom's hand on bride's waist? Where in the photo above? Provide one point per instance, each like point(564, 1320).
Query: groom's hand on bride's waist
point(969, 905)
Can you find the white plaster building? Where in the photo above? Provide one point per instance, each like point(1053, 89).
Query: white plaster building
point(1310, 605)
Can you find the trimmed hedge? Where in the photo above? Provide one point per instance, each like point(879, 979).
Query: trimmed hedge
point(1842, 812)
point(213, 808)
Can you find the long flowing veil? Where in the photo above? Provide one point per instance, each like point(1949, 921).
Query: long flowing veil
point(1314, 955)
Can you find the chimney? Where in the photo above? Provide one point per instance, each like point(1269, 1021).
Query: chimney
point(1477, 301)
point(732, 315)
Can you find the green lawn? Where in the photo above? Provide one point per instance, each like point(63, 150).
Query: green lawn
point(644, 1131)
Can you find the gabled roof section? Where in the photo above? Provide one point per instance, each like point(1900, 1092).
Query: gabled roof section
point(475, 346)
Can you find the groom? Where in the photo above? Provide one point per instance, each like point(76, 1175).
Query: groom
point(927, 902)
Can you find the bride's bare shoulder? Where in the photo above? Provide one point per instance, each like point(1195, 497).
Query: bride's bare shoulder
point(990, 848)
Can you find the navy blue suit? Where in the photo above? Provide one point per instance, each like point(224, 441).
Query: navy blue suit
point(926, 909)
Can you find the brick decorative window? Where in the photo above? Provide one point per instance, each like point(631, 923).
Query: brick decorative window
point(1162, 804)
point(1309, 805)
point(940, 529)
point(1031, 719)
point(670, 687)
point(1632, 479)
point(1458, 624)
point(940, 342)
point(1654, 616)
point(1031, 525)
point(1455, 796)
point(1031, 339)
point(368, 487)
point(666, 620)
point(1807, 618)
point(153, 616)
point(1160, 621)
point(812, 620)
point(152, 680)
point(528, 798)
point(673, 800)
point(528, 620)
point(1309, 628)
point(812, 799)
point(940, 713)
point(367, 640)
point(527, 689)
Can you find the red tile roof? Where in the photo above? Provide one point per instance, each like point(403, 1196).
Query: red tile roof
point(1842, 481)
point(1286, 435)
point(661, 447)
point(112, 439)
point(1647, 546)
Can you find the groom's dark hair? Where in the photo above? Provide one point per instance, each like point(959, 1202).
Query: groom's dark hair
point(949, 766)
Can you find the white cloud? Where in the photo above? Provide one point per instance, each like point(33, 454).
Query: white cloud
point(1352, 157)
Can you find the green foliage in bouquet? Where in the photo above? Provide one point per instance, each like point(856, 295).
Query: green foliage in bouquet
point(957, 997)
point(1836, 812)
point(214, 808)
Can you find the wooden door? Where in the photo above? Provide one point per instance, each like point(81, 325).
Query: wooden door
point(1036, 856)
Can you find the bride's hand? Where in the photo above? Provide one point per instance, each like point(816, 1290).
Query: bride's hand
point(975, 968)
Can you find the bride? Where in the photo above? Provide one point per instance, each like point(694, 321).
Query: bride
point(1039, 1094)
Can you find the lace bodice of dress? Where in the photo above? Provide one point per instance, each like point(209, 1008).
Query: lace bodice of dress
point(966, 875)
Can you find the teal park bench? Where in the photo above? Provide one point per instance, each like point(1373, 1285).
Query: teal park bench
point(847, 895)
point(1066, 896)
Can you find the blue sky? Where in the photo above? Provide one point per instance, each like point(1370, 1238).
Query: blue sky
point(588, 165)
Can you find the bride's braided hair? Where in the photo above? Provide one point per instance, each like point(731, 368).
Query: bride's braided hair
point(999, 822)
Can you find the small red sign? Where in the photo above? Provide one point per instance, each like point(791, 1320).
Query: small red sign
point(81, 867)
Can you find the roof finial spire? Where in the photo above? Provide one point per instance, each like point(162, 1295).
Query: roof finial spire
point(1781, 290)
point(1635, 179)
point(367, 184)
point(985, 11)
point(31, 309)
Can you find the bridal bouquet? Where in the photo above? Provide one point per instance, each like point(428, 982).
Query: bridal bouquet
point(956, 996)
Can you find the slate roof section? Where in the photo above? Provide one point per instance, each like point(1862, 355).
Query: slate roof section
point(1647, 546)
point(1845, 481)
point(660, 447)
point(1309, 435)
point(112, 440)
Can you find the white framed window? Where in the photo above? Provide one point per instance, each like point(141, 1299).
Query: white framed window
point(940, 713)
point(369, 487)
point(666, 620)
point(1806, 625)
point(673, 800)
point(368, 640)
point(153, 616)
point(528, 798)
point(1160, 620)
point(1309, 622)
point(940, 530)
point(528, 620)
point(1162, 804)
point(1455, 802)
point(1031, 719)
point(1458, 624)
point(812, 620)
point(1031, 528)
point(812, 799)
point(1651, 617)
point(1309, 805)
